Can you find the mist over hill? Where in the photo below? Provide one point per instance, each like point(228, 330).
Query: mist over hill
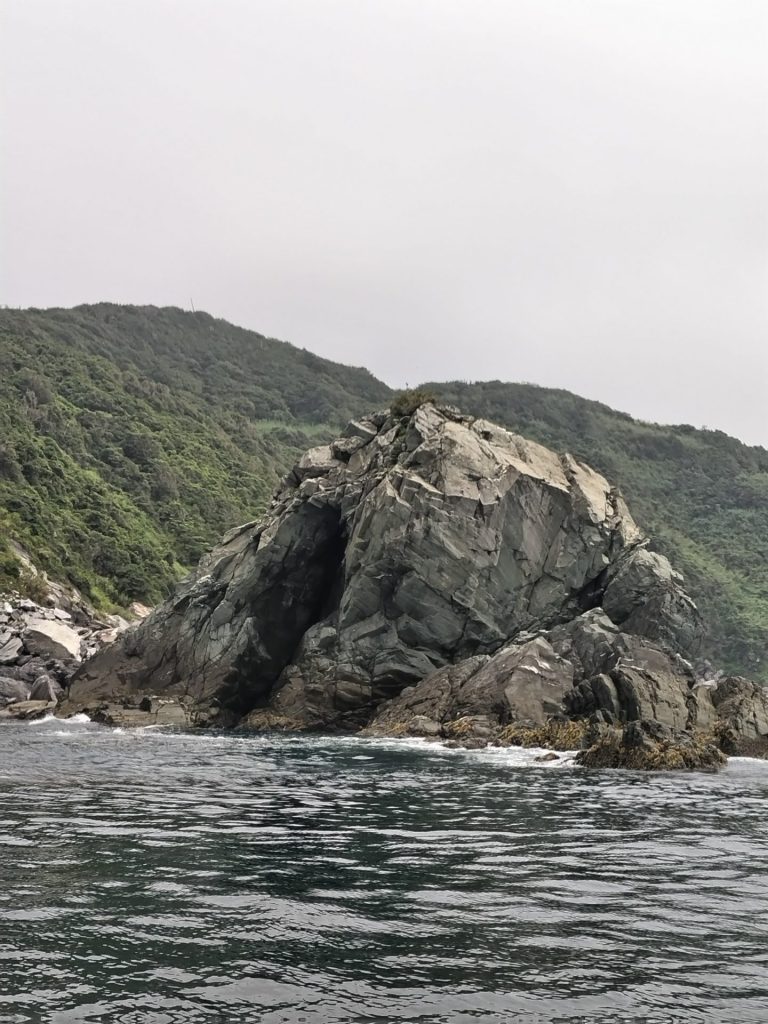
point(131, 437)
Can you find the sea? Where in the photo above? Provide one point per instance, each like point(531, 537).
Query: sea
point(160, 877)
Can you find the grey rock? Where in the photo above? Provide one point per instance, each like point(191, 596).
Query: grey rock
point(12, 690)
point(143, 713)
point(51, 638)
point(27, 669)
point(407, 548)
point(366, 430)
point(27, 710)
point(344, 448)
point(420, 725)
point(10, 650)
point(645, 595)
point(651, 684)
point(741, 709)
point(46, 688)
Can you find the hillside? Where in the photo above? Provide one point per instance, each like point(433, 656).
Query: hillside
point(700, 494)
point(131, 437)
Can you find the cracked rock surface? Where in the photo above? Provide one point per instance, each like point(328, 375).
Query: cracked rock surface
point(408, 547)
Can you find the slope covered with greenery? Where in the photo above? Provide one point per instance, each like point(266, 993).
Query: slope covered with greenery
point(131, 437)
point(701, 495)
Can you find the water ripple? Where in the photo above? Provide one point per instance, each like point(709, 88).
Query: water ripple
point(161, 878)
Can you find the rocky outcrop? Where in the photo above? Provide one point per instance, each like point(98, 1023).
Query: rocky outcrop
point(433, 575)
point(579, 685)
point(406, 546)
point(647, 745)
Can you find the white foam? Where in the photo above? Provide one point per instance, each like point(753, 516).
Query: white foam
point(522, 757)
point(80, 719)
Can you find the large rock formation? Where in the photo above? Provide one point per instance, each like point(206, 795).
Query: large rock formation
point(407, 546)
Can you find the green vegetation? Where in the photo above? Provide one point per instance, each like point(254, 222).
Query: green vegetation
point(405, 403)
point(131, 437)
point(701, 495)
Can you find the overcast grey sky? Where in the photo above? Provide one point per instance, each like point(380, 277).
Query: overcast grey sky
point(571, 192)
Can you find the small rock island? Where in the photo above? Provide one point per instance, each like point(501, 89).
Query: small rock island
point(431, 574)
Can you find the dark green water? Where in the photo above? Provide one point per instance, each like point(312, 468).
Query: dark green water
point(154, 878)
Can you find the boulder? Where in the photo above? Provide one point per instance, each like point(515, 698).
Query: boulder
point(11, 648)
point(50, 638)
point(436, 540)
point(645, 594)
point(46, 688)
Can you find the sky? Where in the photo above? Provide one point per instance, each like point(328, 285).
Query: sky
point(567, 192)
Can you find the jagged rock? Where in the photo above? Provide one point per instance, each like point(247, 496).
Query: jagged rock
point(51, 638)
point(524, 683)
point(585, 667)
point(28, 669)
point(436, 540)
point(436, 694)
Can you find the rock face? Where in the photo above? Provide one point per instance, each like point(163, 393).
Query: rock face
point(404, 548)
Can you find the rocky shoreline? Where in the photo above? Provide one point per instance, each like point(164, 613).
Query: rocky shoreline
point(426, 574)
point(42, 645)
